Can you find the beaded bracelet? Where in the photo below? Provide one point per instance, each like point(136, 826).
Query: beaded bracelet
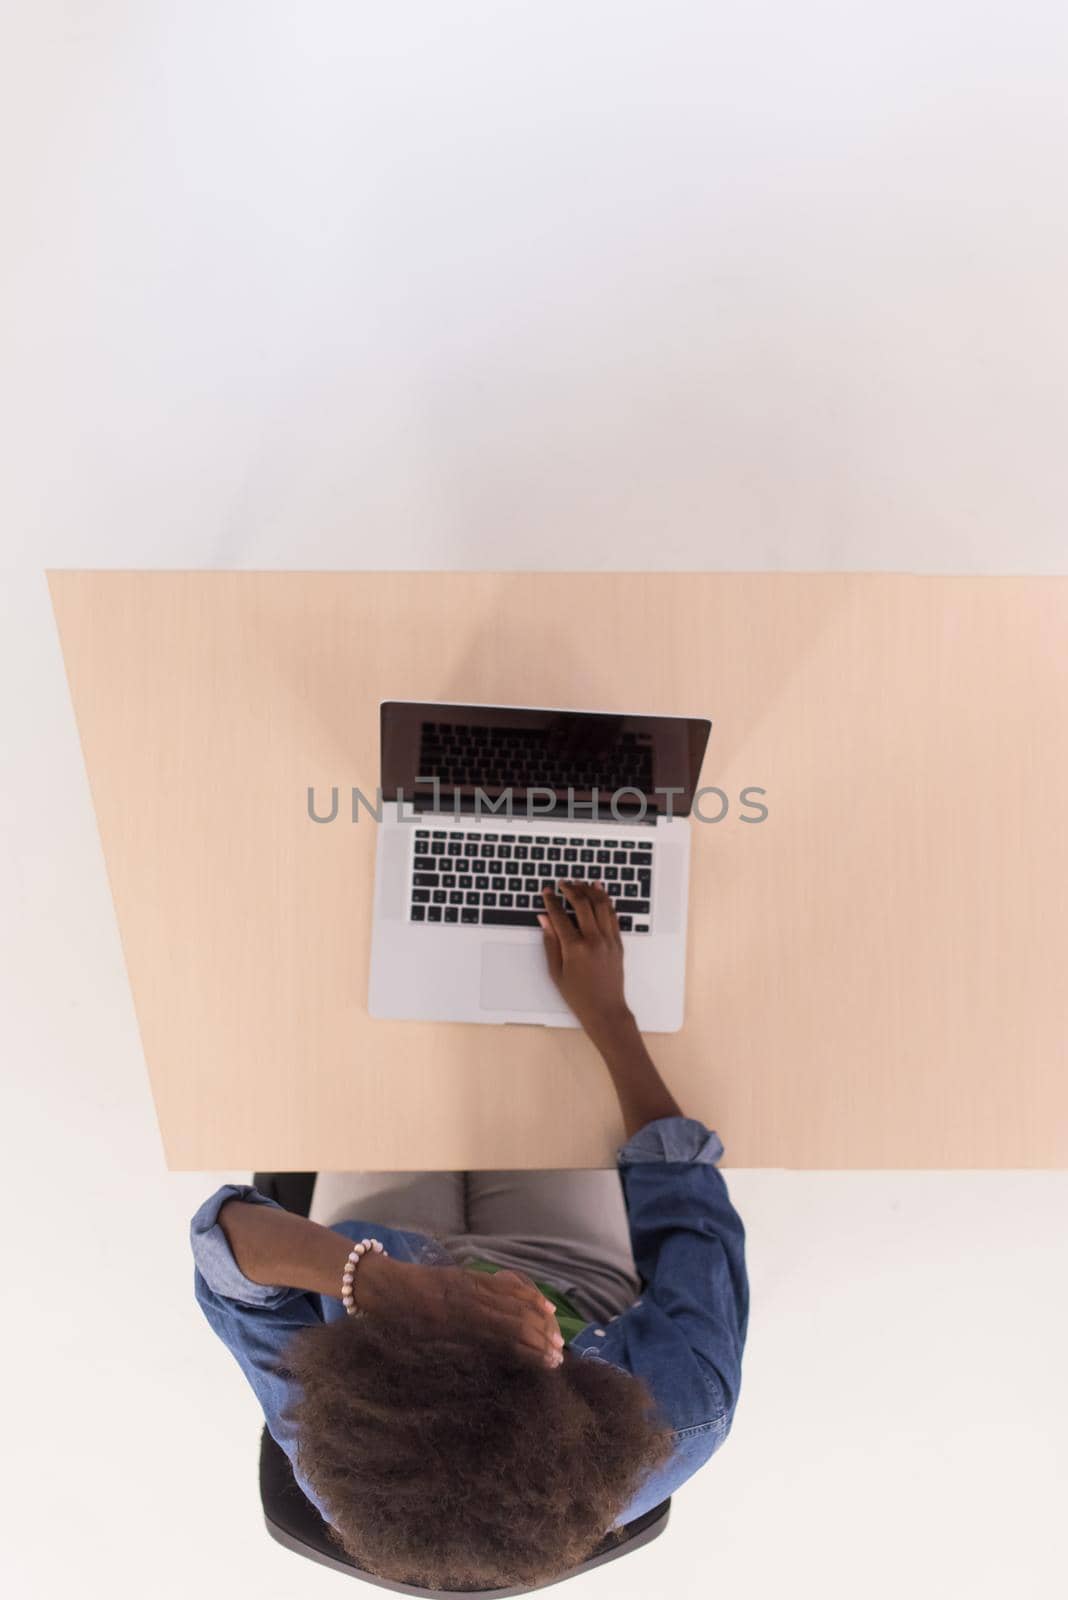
point(351, 1263)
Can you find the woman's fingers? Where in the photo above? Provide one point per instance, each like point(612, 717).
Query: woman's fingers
point(578, 895)
point(526, 1316)
point(553, 954)
point(523, 1288)
point(604, 911)
point(558, 919)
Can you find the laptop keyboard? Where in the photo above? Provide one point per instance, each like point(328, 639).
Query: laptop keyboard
point(494, 880)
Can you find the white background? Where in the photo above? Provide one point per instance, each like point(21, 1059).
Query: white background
point(505, 285)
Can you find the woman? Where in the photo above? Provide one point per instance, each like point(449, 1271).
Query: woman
point(507, 1390)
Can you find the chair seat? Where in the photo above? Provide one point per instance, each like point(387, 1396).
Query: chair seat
point(294, 1522)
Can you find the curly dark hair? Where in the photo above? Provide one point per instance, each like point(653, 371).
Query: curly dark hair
point(461, 1464)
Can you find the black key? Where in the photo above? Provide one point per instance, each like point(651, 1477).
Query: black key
point(489, 899)
point(506, 899)
point(448, 880)
point(469, 914)
point(481, 883)
point(638, 908)
point(498, 883)
point(585, 855)
point(451, 914)
point(571, 855)
point(537, 853)
point(512, 867)
point(531, 885)
point(425, 880)
point(548, 883)
point(639, 858)
point(420, 897)
point(578, 872)
point(439, 897)
point(619, 857)
point(522, 900)
point(520, 852)
point(560, 841)
point(456, 897)
point(422, 833)
point(542, 838)
point(437, 847)
point(626, 873)
point(418, 913)
point(455, 847)
point(509, 919)
point(503, 852)
point(491, 838)
point(471, 898)
point(645, 846)
point(553, 854)
point(455, 835)
point(624, 923)
point(604, 855)
point(645, 879)
point(610, 872)
point(641, 927)
point(489, 851)
point(461, 864)
point(630, 889)
point(464, 880)
point(433, 913)
point(592, 844)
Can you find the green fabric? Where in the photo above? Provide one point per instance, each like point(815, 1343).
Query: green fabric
point(569, 1319)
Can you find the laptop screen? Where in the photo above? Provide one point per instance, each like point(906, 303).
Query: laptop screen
point(552, 763)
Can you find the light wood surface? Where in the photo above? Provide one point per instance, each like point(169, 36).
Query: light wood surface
point(876, 973)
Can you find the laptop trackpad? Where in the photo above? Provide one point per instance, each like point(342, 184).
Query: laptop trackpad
point(515, 978)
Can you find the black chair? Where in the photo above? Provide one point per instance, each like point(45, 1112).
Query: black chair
point(294, 1522)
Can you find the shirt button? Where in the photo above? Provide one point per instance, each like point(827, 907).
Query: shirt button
point(598, 1333)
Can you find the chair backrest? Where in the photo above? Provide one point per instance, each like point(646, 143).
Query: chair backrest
point(294, 1522)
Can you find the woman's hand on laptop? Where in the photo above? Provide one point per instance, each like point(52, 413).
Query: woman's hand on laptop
point(585, 956)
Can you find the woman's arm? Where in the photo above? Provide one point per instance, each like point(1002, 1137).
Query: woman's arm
point(642, 1093)
point(272, 1246)
point(586, 963)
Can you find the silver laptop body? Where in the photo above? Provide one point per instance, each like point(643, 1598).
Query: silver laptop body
point(454, 935)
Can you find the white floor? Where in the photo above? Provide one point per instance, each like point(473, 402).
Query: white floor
point(587, 286)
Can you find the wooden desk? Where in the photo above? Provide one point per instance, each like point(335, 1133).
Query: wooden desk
point(876, 972)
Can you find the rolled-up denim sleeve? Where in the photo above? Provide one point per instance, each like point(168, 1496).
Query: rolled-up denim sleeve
point(254, 1321)
point(689, 1244)
point(672, 1139)
point(215, 1260)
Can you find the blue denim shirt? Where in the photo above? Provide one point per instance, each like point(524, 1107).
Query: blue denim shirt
point(684, 1335)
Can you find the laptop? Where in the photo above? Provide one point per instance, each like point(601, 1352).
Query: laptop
point(482, 805)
